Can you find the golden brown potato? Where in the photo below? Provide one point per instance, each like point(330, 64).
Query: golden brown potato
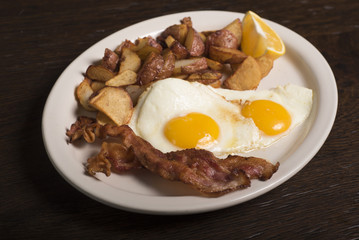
point(124, 78)
point(135, 91)
point(265, 64)
point(97, 85)
point(102, 119)
point(226, 55)
point(194, 43)
point(83, 94)
point(110, 60)
point(207, 33)
point(235, 27)
point(187, 21)
point(99, 73)
point(170, 41)
point(168, 65)
point(144, 46)
point(246, 77)
point(188, 66)
point(207, 74)
point(179, 50)
point(150, 68)
point(129, 61)
point(124, 44)
point(222, 38)
point(178, 31)
point(115, 103)
point(214, 65)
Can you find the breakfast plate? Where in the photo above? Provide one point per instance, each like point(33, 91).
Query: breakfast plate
point(142, 191)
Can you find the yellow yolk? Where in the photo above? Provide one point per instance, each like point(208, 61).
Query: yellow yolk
point(270, 117)
point(191, 131)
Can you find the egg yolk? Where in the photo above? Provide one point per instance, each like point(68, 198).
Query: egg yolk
point(191, 131)
point(270, 117)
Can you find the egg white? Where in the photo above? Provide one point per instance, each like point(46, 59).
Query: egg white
point(170, 98)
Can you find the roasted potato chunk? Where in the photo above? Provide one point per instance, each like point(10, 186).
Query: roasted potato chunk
point(123, 45)
point(235, 27)
point(214, 65)
point(97, 85)
point(110, 60)
point(246, 77)
point(226, 55)
point(144, 46)
point(150, 68)
point(222, 38)
point(103, 119)
point(115, 103)
point(129, 61)
point(194, 43)
point(99, 73)
point(189, 66)
point(124, 78)
point(83, 94)
point(177, 31)
point(208, 77)
point(168, 65)
point(265, 64)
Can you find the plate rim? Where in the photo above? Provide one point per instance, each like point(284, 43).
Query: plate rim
point(165, 210)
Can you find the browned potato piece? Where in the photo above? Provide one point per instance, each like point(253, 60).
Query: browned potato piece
point(179, 50)
point(207, 33)
point(110, 60)
point(129, 61)
point(123, 45)
point(102, 119)
point(265, 64)
point(144, 46)
point(83, 94)
point(194, 43)
point(246, 77)
point(178, 31)
point(235, 27)
point(124, 78)
point(135, 91)
point(99, 73)
point(187, 21)
point(222, 38)
point(150, 68)
point(180, 76)
point(170, 41)
point(168, 66)
point(115, 103)
point(188, 66)
point(97, 85)
point(214, 65)
point(210, 75)
point(226, 55)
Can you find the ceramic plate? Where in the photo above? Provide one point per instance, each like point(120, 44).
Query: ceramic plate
point(141, 191)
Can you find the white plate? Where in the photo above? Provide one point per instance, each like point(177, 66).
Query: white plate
point(146, 193)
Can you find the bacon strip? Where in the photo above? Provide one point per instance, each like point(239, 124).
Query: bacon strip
point(198, 168)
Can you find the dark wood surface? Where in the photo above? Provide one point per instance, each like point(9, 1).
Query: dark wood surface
point(40, 38)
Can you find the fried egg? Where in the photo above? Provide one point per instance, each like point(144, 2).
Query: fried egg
point(175, 114)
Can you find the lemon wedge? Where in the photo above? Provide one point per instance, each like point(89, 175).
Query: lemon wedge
point(259, 39)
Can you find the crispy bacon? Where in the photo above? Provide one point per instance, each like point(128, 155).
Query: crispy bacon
point(84, 127)
point(198, 168)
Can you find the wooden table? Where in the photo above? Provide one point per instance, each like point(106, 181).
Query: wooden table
point(40, 38)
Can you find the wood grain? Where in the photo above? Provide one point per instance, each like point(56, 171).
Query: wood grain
point(40, 38)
